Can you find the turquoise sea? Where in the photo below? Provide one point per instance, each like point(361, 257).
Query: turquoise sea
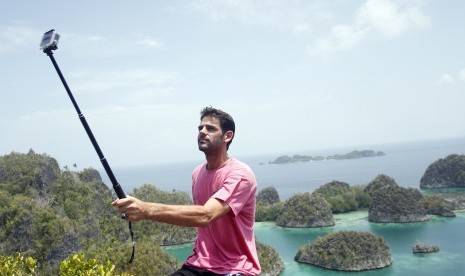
point(447, 233)
point(405, 162)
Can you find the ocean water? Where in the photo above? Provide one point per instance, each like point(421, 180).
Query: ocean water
point(405, 162)
point(447, 233)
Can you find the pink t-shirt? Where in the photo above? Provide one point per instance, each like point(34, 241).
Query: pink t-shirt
point(227, 245)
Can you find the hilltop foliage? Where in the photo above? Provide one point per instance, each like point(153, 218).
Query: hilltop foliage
point(268, 205)
point(392, 203)
point(268, 212)
point(305, 210)
point(339, 195)
point(268, 196)
point(270, 262)
point(49, 214)
point(347, 251)
point(60, 222)
point(436, 205)
point(17, 265)
point(445, 172)
point(163, 234)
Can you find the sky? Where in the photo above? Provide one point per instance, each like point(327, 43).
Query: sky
point(295, 75)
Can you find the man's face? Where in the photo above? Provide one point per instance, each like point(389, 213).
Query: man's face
point(210, 138)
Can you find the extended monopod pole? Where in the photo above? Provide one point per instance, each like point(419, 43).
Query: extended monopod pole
point(48, 44)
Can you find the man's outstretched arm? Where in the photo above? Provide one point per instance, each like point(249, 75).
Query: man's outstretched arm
point(181, 215)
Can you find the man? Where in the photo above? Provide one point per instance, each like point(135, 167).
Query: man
point(223, 190)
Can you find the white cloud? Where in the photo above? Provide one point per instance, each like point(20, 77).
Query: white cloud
point(294, 15)
point(14, 37)
point(119, 79)
point(462, 74)
point(390, 18)
point(342, 37)
point(148, 42)
point(107, 46)
point(127, 134)
point(129, 87)
point(445, 78)
point(374, 19)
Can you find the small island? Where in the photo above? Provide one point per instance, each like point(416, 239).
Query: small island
point(284, 159)
point(392, 203)
point(347, 251)
point(445, 173)
point(423, 247)
point(305, 210)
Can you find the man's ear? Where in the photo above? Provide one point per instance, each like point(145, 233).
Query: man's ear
point(228, 136)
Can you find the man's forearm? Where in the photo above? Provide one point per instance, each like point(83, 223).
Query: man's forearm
point(181, 215)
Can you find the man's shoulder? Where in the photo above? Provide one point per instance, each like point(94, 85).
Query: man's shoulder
point(240, 167)
point(198, 168)
point(236, 163)
point(234, 160)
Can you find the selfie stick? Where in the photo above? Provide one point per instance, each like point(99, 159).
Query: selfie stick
point(48, 44)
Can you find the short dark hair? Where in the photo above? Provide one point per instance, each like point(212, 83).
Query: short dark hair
point(226, 121)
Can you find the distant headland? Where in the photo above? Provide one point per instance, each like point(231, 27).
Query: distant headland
point(284, 159)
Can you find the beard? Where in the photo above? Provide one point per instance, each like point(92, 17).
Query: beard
point(208, 147)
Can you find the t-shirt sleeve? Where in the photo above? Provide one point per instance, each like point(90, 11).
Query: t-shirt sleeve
point(235, 191)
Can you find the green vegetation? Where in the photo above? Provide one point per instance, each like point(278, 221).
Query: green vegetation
point(380, 182)
point(49, 214)
point(268, 205)
point(346, 250)
point(445, 172)
point(17, 265)
point(163, 234)
point(30, 174)
point(392, 203)
point(437, 205)
point(431, 202)
point(268, 196)
point(268, 212)
point(79, 265)
point(270, 261)
point(305, 210)
point(361, 196)
point(60, 222)
point(339, 195)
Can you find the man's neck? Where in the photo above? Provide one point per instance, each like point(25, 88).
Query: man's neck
point(216, 161)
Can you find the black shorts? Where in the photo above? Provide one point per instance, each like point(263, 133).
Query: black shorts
point(191, 271)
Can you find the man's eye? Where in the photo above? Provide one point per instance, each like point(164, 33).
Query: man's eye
point(208, 128)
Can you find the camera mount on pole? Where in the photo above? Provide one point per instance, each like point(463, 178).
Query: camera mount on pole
point(48, 44)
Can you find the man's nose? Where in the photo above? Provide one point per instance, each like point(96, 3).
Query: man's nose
point(202, 131)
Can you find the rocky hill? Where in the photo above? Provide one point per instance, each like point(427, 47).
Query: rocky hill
point(268, 196)
point(305, 210)
point(423, 247)
point(50, 214)
point(347, 251)
point(19, 172)
point(339, 195)
point(392, 203)
point(270, 261)
point(445, 172)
